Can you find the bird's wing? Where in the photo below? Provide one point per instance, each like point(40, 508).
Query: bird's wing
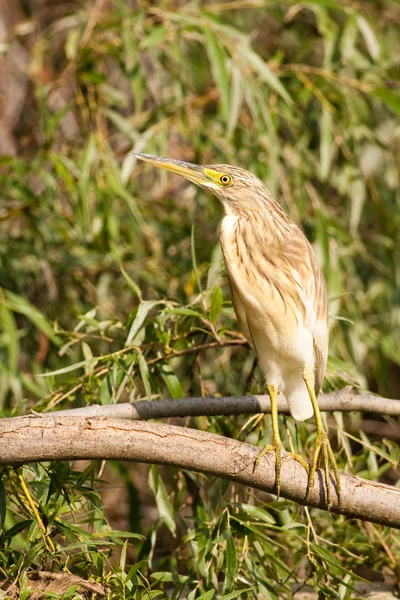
point(320, 325)
point(314, 298)
point(241, 314)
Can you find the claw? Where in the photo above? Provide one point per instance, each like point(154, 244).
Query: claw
point(277, 448)
point(321, 443)
point(328, 460)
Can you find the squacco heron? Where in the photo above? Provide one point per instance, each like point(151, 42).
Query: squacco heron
point(279, 296)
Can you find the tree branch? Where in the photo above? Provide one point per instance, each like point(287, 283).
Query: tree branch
point(344, 400)
point(27, 439)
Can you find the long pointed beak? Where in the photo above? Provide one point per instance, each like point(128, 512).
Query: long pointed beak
point(194, 173)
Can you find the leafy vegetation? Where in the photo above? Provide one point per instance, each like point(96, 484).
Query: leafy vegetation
point(113, 285)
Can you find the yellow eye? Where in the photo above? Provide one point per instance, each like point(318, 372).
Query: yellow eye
point(225, 180)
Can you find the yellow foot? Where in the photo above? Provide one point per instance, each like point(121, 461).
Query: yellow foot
point(300, 460)
point(278, 449)
point(322, 443)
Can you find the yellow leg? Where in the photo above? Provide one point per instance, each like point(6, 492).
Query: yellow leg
point(277, 444)
point(321, 443)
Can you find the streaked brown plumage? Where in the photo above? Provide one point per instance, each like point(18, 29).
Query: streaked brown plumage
point(278, 292)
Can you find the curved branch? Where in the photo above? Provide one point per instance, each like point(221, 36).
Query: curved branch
point(27, 439)
point(341, 400)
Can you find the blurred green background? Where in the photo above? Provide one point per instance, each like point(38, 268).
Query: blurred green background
point(107, 267)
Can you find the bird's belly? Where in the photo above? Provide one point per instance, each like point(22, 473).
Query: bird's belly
point(275, 326)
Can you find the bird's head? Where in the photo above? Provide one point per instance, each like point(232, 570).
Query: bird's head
point(238, 190)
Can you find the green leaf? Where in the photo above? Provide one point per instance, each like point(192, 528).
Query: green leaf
point(116, 185)
point(216, 304)
point(237, 593)
point(106, 391)
point(18, 528)
point(166, 576)
point(230, 563)
point(122, 559)
point(256, 62)
point(2, 504)
point(236, 99)
point(207, 596)
point(142, 312)
point(20, 305)
point(186, 312)
point(132, 285)
point(67, 369)
point(11, 340)
point(257, 512)
point(369, 37)
point(389, 98)
point(218, 61)
point(144, 373)
point(326, 142)
point(194, 261)
point(160, 493)
point(171, 381)
point(349, 38)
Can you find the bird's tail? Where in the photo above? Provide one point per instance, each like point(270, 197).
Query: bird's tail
point(299, 400)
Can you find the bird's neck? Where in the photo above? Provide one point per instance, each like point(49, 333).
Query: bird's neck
point(262, 223)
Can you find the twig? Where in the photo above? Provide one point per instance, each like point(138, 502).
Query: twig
point(344, 400)
point(47, 540)
point(59, 395)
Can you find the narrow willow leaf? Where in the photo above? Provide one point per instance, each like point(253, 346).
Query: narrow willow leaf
point(171, 381)
point(17, 528)
point(89, 158)
point(122, 124)
point(325, 142)
point(194, 261)
point(132, 285)
point(327, 4)
point(144, 373)
point(369, 37)
point(167, 576)
point(216, 304)
point(257, 512)
point(236, 99)
point(122, 559)
point(218, 61)
point(233, 595)
point(2, 504)
point(389, 98)
point(142, 312)
point(20, 305)
point(230, 563)
point(115, 184)
point(67, 369)
point(160, 493)
point(186, 312)
point(348, 38)
point(105, 391)
point(11, 337)
point(256, 62)
point(207, 596)
point(154, 38)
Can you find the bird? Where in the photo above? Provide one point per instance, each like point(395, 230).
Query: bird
point(279, 296)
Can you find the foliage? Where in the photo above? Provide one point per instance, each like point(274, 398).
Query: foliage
point(112, 278)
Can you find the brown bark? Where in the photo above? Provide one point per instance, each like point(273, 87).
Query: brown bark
point(27, 439)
